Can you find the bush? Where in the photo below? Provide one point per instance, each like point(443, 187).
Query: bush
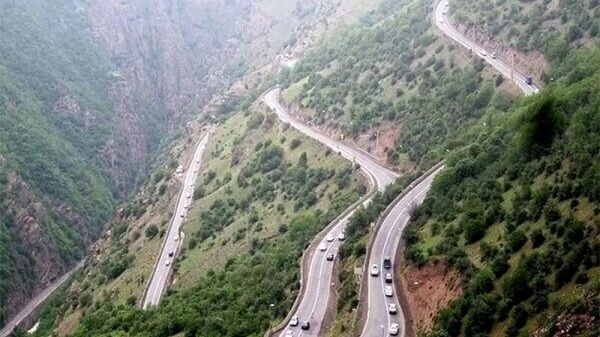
point(537, 238)
point(516, 240)
point(151, 231)
point(295, 143)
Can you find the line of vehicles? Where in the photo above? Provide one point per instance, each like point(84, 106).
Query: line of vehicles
point(528, 79)
point(388, 290)
point(182, 215)
point(295, 321)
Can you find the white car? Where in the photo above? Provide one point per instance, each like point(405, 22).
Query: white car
point(330, 238)
point(176, 238)
point(189, 196)
point(294, 321)
point(483, 53)
point(374, 270)
point(289, 333)
point(494, 56)
point(394, 329)
point(388, 291)
point(341, 237)
point(323, 247)
point(168, 263)
point(392, 309)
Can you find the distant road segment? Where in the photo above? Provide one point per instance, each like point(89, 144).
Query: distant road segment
point(441, 20)
point(36, 302)
point(172, 239)
point(382, 174)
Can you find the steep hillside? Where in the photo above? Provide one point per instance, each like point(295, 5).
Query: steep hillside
point(91, 93)
point(264, 192)
point(393, 87)
point(392, 78)
point(517, 213)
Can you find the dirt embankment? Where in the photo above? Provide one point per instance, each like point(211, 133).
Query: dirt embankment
point(379, 143)
point(427, 290)
point(533, 62)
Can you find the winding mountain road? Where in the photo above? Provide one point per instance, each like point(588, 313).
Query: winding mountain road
point(172, 240)
point(313, 304)
point(442, 21)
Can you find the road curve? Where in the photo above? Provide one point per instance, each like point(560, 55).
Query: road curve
point(386, 243)
point(441, 20)
point(172, 240)
point(383, 175)
point(36, 302)
point(313, 304)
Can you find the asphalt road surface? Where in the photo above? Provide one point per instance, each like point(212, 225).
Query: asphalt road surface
point(172, 240)
point(313, 304)
point(386, 244)
point(517, 77)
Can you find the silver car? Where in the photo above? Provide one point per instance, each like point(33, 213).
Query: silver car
point(388, 291)
point(374, 270)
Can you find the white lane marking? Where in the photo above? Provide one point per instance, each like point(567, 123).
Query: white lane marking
point(341, 223)
point(392, 256)
point(160, 274)
point(375, 170)
point(385, 244)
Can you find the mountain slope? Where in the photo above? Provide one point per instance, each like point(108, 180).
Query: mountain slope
point(517, 213)
point(92, 92)
point(392, 78)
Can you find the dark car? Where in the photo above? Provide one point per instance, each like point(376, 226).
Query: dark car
point(305, 325)
point(330, 257)
point(529, 80)
point(387, 262)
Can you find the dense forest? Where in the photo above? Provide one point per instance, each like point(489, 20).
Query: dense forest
point(264, 192)
point(521, 199)
point(515, 213)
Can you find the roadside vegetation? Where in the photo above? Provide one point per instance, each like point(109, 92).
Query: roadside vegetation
point(517, 212)
point(259, 175)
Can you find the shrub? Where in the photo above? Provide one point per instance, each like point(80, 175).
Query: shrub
point(295, 143)
point(151, 231)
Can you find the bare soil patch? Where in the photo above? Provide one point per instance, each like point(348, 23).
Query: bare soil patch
point(428, 290)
